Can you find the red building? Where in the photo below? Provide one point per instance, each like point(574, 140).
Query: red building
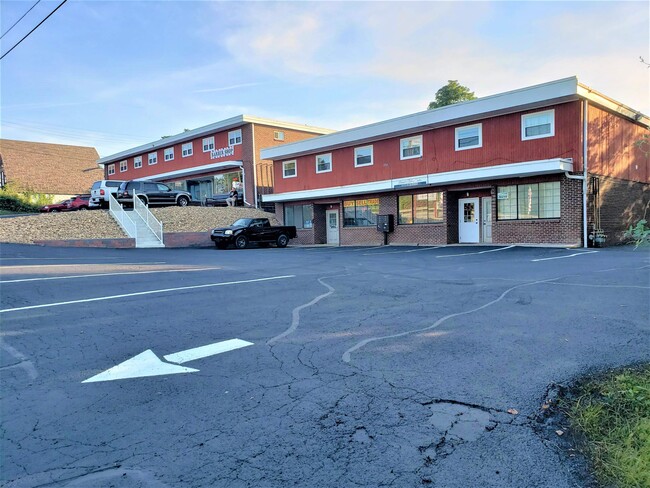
point(551, 163)
point(208, 160)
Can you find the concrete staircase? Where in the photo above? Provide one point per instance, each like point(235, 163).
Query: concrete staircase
point(146, 236)
point(139, 224)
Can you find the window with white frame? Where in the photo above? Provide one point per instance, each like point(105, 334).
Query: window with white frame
point(169, 154)
point(362, 156)
point(187, 149)
point(208, 144)
point(468, 137)
point(538, 125)
point(234, 137)
point(289, 169)
point(278, 135)
point(137, 162)
point(411, 147)
point(153, 158)
point(324, 163)
point(529, 201)
point(123, 166)
point(110, 169)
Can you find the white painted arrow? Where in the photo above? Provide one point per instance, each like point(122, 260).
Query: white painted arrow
point(148, 364)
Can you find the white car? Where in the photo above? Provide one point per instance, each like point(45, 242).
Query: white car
point(100, 191)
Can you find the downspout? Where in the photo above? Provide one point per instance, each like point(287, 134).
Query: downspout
point(243, 177)
point(583, 176)
point(254, 166)
point(585, 123)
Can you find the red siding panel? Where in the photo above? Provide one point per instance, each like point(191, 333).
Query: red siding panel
point(612, 150)
point(502, 144)
point(198, 158)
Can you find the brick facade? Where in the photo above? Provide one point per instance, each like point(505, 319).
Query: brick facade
point(565, 230)
point(621, 202)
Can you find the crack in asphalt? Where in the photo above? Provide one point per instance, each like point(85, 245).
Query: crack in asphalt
point(347, 354)
point(23, 361)
point(295, 314)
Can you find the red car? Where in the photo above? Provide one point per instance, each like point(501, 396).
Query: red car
point(80, 202)
point(56, 207)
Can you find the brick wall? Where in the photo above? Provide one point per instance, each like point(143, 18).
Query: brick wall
point(622, 203)
point(320, 225)
point(565, 230)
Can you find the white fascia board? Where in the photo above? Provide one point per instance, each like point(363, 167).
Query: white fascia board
point(193, 171)
point(222, 125)
point(287, 125)
point(604, 101)
point(534, 96)
point(511, 170)
point(175, 139)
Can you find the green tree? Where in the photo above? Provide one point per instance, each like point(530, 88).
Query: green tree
point(452, 92)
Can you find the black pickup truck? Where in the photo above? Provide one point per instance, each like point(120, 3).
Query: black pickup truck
point(243, 231)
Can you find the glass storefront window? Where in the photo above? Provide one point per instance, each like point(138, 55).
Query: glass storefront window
point(421, 208)
point(360, 213)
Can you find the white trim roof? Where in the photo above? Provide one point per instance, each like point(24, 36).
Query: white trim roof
point(222, 125)
point(511, 170)
point(553, 92)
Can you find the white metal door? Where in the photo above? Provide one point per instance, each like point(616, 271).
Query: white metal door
point(486, 217)
point(332, 217)
point(468, 226)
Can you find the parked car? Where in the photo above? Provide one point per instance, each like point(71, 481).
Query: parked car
point(56, 207)
point(259, 231)
point(101, 191)
point(80, 202)
point(151, 193)
point(219, 200)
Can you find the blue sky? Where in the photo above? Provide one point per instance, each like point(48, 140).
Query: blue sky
point(115, 74)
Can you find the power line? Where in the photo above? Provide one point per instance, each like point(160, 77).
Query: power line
point(78, 134)
point(7, 31)
point(27, 35)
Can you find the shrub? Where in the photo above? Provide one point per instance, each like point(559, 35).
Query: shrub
point(639, 234)
point(14, 199)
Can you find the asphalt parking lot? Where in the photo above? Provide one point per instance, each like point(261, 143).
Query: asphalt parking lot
point(328, 367)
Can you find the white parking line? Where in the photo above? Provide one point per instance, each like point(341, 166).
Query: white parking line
point(141, 293)
point(562, 257)
point(480, 252)
point(71, 259)
point(402, 252)
point(3, 267)
point(103, 274)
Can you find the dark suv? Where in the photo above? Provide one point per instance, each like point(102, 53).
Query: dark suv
point(151, 193)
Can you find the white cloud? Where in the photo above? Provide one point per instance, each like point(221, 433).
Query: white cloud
point(490, 47)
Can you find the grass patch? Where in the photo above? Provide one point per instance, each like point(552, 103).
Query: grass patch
point(612, 415)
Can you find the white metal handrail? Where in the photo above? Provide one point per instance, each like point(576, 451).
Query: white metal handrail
point(147, 217)
point(122, 218)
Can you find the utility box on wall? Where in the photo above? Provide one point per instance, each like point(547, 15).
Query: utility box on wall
point(386, 223)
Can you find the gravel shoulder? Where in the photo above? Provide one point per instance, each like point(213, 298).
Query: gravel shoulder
point(98, 224)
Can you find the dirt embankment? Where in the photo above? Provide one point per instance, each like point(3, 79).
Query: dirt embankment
point(98, 224)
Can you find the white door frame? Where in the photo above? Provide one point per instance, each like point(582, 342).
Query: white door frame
point(332, 233)
point(486, 219)
point(469, 232)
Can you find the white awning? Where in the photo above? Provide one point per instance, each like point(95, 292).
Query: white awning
point(510, 170)
point(194, 171)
